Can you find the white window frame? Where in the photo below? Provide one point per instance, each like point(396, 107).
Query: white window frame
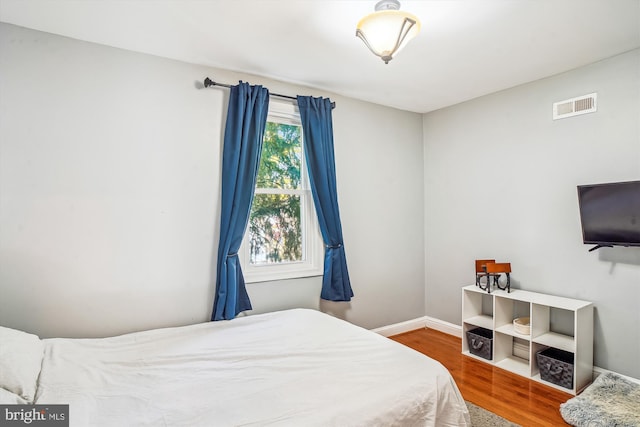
point(312, 263)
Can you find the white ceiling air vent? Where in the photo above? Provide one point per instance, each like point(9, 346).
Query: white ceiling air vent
point(575, 106)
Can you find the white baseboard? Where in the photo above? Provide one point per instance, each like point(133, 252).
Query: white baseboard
point(402, 327)
point(597, 371)
point(442, 326)
point(455, 330)
point(419, 323)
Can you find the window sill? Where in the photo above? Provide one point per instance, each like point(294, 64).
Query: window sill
point(269, 273)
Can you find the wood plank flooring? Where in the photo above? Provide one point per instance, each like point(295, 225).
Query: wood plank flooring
point(518, 399)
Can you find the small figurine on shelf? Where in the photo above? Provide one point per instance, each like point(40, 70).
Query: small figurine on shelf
point(490, 269)
point(481, 272)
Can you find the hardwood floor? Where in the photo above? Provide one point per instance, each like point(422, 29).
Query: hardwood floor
point(511, 396)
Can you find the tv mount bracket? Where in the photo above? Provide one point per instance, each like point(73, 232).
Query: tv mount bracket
point(600, 246)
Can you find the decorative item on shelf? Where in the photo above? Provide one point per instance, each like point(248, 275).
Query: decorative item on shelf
point(491, 270)
point(496, 268)
point(522, 325)
point(481, 272)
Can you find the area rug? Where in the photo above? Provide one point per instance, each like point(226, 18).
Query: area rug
point(610, 400)
point(480, 417)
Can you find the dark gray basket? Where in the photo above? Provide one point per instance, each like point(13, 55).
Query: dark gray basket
point(480, 342)
point(556, 366)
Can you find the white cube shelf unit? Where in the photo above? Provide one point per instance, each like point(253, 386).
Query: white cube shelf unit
point(517, 352)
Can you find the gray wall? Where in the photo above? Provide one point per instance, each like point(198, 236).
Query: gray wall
point(110, 187)
point(500, 182)
point(109, 195)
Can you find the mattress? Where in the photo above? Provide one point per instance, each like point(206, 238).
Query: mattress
point(291, 368)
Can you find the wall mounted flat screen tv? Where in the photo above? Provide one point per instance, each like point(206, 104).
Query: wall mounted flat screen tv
point(610, 214)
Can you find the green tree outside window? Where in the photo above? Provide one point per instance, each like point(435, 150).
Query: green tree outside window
point(275, 233)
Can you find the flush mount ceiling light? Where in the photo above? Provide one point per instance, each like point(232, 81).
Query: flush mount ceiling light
point(387, 30)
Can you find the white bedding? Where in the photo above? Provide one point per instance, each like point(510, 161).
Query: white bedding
point(296, 368)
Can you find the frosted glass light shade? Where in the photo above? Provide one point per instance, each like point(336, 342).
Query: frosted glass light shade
point(387, 32)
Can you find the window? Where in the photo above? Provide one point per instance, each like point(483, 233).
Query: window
point(282, 239)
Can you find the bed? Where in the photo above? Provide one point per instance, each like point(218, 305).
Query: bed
point(295, 367)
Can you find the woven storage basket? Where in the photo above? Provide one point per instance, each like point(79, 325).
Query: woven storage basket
point(481, 342)
point(556, 366)
point(522, 325)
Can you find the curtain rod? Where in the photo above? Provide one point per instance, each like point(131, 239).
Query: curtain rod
point(208, 82)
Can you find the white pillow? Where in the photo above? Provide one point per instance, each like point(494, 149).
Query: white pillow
point(8, 398)
point(20, 361)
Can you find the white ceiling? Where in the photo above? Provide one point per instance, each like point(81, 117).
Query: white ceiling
point(467, 48)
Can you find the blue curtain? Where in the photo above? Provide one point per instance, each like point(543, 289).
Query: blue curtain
point(246, 119)
point(317, 126)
